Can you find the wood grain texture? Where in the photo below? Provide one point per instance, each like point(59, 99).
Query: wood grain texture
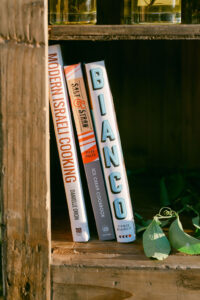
point(103, 283)
point(113, 255)
point(123, 277)
point(111, 270)
point(24, 150)
point(99, 270)
point(124, 32)
point(159, 123)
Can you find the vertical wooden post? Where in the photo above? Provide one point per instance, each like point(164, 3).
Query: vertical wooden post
point(24, 149)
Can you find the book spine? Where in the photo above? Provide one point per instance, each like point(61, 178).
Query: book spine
point(60, 109)
point(89, 151)
point(108, 139)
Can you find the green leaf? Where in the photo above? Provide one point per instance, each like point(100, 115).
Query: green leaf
point(182, 241)
point(164, 198)
point(195, 222)
point(140, 228)
point(164, 223)
point(196, 219)
point(197, 234)
point(138, 216)
point(155, 243)
point(143, 223)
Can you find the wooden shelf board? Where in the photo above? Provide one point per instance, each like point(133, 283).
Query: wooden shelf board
point(124, 32)
point(114, 255)
point(110, 254)
point(111, 270)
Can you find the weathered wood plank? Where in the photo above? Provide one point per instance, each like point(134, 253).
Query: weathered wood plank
point(74, 283)
point(124, 258)
point(24, 149)
point(119, 271)
point(113, 255)
point(124, 32)
point(99, 270)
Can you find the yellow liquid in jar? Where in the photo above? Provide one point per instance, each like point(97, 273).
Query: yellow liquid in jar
point(152, 11)
point(72, 11)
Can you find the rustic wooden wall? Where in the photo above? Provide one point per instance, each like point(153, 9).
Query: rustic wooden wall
point(190, 101)
point(160, 110)
point(24, 149)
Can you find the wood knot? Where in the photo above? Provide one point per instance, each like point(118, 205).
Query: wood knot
point(25, 291)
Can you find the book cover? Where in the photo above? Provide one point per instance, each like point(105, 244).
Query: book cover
point(61, 114)
point(89, 151)
point(109, 144)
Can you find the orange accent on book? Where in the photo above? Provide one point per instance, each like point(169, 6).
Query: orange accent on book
point(68, 69)
point(90, 155)
point(87, 138)
point(84, 133)
point(89, 143)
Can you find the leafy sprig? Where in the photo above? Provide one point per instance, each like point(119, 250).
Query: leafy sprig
point(156, 244)
point(179, 193)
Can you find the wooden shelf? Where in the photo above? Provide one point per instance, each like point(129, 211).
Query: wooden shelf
point(112, 254)
point(99, 270)
point(124, 32)
point(119, 271)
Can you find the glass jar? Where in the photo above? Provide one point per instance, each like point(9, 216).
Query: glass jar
point(191, 11)
point(152, 11)
point(195, 11)
point(72, 11)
